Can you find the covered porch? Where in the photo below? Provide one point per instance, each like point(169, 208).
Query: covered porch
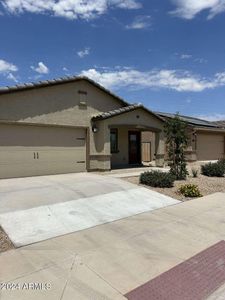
point(132, 146)
point(129, 137)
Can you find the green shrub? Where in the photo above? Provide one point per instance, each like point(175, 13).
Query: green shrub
point(157, 179)
point(222, 162)
point(213, 169)
point(190, 190)
point(194, 173)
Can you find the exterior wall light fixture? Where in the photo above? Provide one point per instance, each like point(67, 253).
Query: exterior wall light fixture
point(94, 128)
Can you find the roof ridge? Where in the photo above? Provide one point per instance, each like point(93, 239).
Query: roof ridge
point(55, 81)
point(185, 116)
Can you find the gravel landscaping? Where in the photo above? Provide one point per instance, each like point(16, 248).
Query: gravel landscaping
point(5, 243)
point(207, 185)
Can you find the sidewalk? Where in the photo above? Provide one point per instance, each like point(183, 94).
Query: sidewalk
point(108, 261)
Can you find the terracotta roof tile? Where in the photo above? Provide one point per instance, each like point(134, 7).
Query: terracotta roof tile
point(45, 83)
point(116, 112)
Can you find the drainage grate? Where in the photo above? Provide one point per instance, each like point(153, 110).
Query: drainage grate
point(196, 278)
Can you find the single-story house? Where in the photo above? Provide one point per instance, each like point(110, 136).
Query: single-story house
point(73, 124)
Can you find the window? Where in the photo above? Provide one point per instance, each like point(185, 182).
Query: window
point(82, 99)
point(114, 140)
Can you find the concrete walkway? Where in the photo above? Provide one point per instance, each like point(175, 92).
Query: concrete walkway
point(122, 173)
point(39, 208)
point(108, 261)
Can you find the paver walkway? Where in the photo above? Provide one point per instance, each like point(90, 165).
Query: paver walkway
point(196, 278)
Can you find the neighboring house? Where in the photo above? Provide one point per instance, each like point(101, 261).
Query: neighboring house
point(220, 123)
point(73, 125)
point(206, 139)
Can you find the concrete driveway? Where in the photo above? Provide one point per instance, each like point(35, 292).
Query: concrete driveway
point(39, 208)
point(108, 261)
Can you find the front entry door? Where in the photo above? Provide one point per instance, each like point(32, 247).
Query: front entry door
point(134, 139)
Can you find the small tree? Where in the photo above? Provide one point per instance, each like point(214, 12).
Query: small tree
point(176, 140)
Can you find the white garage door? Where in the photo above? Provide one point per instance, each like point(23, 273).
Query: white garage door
point(210, 146)
point(35, 150)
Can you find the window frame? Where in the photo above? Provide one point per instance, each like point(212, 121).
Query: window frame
point(114, 149)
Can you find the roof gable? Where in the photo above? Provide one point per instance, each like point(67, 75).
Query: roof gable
point(122, 110)
point(58, 81)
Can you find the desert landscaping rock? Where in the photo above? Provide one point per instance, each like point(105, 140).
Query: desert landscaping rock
point(207, 186)
point(5, 243)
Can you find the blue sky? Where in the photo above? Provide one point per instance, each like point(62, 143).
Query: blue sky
point(167, 54)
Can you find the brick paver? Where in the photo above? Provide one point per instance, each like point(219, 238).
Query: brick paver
point(194, 279)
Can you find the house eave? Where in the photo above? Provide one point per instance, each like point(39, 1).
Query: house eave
point(209, 129)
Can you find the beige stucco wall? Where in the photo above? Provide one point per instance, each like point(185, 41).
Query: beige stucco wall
point(137, 119)
point(121, 158)
point(60, 105)
point(101, 139)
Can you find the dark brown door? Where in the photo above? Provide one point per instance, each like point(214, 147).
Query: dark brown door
point(134, 138)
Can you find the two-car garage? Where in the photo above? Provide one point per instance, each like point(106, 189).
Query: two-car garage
point(29, 150)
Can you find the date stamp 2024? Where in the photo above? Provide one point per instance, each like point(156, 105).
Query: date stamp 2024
point(35, 286)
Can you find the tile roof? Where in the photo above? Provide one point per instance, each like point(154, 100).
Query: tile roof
point(122, 110)
point(220, 123)
point(190, 120)
point(57, 81)
point(127, 107)
point(116, 112)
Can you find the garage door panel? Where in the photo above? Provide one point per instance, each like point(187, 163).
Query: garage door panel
point(62, 154)
point(42, 150)
point(59, 168)
point(17, 170)
point(61, 160)
point(210, 146)
point(9, 156)
point(35, 136)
